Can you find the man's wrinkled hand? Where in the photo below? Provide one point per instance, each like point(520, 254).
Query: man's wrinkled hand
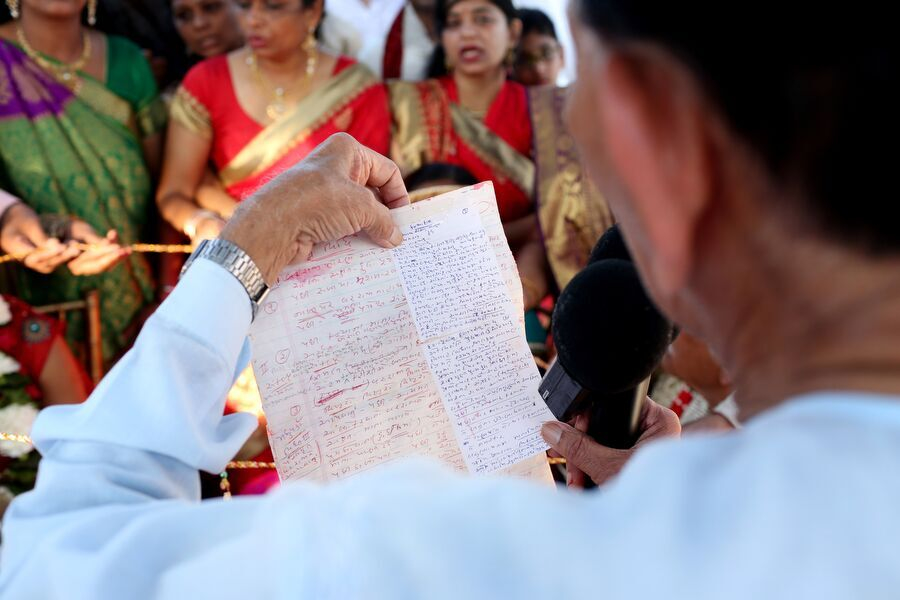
point(340, 189)
point(586, 458)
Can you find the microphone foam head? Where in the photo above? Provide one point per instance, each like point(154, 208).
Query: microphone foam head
point(610, 245)
point(607, 331)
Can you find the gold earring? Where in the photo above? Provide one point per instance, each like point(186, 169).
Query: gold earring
point(510, 57)
point(312, 53)
point(13, 6)
point(92, 12)
point(447, 64)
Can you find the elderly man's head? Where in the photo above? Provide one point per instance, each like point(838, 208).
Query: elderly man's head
point(742, 148)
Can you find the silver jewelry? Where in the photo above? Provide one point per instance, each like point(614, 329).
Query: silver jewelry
point(235, 261)
point(190, 227)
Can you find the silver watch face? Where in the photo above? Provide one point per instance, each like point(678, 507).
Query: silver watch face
point(262, 294)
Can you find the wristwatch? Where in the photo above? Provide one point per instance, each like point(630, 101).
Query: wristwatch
point(235, 261)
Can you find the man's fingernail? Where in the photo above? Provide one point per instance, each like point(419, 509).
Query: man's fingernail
point(551, 431)
point(396, 237)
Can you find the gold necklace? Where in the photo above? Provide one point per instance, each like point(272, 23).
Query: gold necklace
point(67, 73)
point(277, 108)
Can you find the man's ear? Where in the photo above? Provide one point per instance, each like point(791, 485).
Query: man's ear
point(654, 123)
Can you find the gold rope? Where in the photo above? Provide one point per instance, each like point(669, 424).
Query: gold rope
point(235, 464)
point(15, 437)
point(224, 484)
point(250, 464)
point(156, 248)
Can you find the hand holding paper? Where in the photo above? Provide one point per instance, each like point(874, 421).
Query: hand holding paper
point(365, 354)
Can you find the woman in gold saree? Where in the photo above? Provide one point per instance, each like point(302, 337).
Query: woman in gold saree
point(258, 110)
point(473, 116)
point(80, 125)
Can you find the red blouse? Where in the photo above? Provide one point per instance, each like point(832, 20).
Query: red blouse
point(210, 82)
point(509, 118)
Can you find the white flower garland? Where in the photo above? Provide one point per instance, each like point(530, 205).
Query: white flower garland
point(17, 418)
point(8, 364)
point(5, 313)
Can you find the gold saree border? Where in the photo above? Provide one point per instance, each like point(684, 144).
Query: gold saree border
point(423, 122)
point(409, 143)
point(493, 150)
point(97, 96)
point(571, 211)
point(421, 127)
point(278, 138)
point(89, 90)
point(152, 118)
point(190, 113)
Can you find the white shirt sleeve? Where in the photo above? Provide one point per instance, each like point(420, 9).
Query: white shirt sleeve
point(6, 200)
point(761, 513)
point(149, 426)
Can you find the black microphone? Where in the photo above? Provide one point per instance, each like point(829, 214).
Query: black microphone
point(569, 397)
point(609, 338)
point(610, 245)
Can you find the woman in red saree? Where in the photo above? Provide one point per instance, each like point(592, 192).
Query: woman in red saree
point(472, 116)
point(258, 110)
point(476, 118)
point(253, 113)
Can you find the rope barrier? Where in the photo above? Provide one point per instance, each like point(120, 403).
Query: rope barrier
point(144, 248)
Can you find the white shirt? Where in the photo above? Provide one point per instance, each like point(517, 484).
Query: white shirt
point(372, 21)
point(804, 502)
point(417, 49)
point(339, 37)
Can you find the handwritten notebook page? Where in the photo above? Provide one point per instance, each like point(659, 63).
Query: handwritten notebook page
point(351, 380)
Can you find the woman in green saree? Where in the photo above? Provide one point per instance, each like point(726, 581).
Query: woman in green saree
point(80, 123)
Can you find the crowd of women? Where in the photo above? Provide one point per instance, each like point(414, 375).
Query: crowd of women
point(93, 158)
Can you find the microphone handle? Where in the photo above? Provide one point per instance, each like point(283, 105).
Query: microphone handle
point(614, 419)
point(613, 423)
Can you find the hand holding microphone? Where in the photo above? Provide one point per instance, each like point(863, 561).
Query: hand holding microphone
point(610, 338)
point(586, 458)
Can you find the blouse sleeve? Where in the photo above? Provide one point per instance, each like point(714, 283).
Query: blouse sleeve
point(130, 72)
point(191, 106)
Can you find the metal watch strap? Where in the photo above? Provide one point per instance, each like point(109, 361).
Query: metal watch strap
point(235, 261)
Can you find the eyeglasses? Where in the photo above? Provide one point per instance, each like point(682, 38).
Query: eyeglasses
point(545, 53)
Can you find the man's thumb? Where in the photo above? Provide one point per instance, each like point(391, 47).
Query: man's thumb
point(598, 462)
point(381, 228)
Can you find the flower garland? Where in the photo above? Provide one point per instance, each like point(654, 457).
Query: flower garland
point(19, 406)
